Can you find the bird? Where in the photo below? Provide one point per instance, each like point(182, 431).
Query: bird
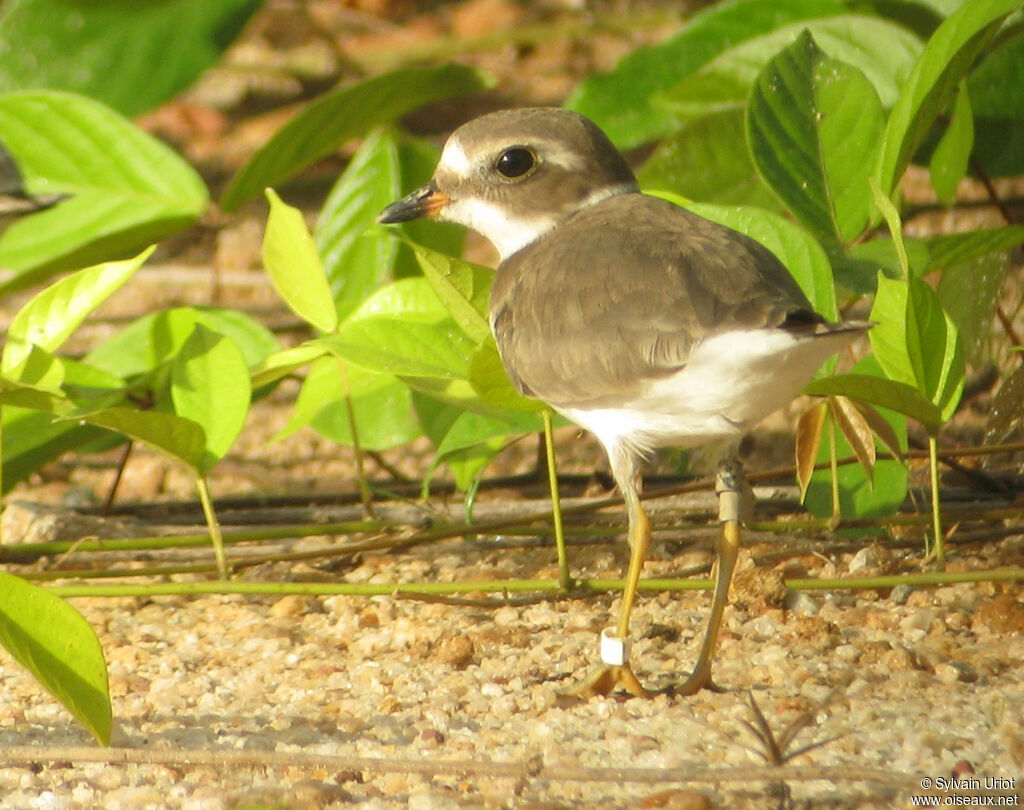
point(633, 317)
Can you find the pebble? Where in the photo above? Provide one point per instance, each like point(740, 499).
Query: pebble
point(900, 593)
point(802, 603)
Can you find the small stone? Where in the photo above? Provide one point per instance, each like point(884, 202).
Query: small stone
point(1000, 614)
point(900, 593)
point(456, 651)
point(956, 672)
point(290, 605)
point(802, 603)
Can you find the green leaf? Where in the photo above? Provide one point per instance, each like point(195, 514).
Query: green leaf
point(948, 165)
point(174, 436)
point(814, 124)
point(32, 439)
point(917, 343)
point(411, 299)
point(889, 394)
point(403, 348)
point(997, 95)
point(489, 380)
point(969, 292)
point(121, 199)
point(341, 115)
point(23, 394)
point(285, 362)
point(956, 248)
point(620, 101)
point(858, 269)
point(132, 62)
point(53, 642)
point(154, 338)
point(947, 57)
point(859, 496)
point(358, 262)
point(35, 366)
point(707, 159)
point(210, 386)
point(291, 259)
point(793, 246)
point(53, 314)
point(464, 288)
point(381, 404)
point(1007, 407)
point(472, 429)
point(882, 51)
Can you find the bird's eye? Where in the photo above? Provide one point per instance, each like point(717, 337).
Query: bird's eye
point(515, 162)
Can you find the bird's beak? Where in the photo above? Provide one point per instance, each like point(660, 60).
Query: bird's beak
point(423, 202)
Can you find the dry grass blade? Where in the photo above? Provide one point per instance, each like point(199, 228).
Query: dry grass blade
point(775, 750)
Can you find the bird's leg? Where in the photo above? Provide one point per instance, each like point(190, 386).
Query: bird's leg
point(734, 499)
point(616, 671)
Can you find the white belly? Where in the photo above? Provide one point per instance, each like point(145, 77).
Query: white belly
point(729, 384)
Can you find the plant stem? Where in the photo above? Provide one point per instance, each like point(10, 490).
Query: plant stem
point(939, 546)
point(514, 585)
point(564, 580)
point(837, 512)
point(364, 486)
point(211, 523)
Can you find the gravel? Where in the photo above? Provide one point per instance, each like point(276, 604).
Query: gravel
point(907, 683)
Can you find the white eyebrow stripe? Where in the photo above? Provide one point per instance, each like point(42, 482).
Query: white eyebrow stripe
point(454, 158)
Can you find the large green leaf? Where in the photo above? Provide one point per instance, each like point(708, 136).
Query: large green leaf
point(381, 405)
point(126, 188)
point(969, 292)
point(210, 386)
point(291, 259)
point(882, 51)
point(50, 317)
point(997, 95)
point(489, 380)
point(342, 115)
point(155, 338)
point(947, 57)
point(954, 248)
point(404, 348)
point(52, 641)
point(410, 299)
point(463, 287)
point(948, 164)
point(179, 438)
point(356, 262)
point(130, 61)
point(620, 101)
point(916, 342)
point(707, 159)
point(814, 125)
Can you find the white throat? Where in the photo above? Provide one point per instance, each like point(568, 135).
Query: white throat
point(511, 234)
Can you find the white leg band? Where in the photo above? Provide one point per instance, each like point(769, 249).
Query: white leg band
point(614, 650)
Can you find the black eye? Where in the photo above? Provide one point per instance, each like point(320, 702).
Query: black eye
point(515, 162)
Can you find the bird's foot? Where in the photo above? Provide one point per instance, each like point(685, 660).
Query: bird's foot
point(606, 680)
point(699, 679)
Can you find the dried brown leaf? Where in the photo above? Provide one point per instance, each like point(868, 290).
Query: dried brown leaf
point(808, 439)
point(882, 429)
point(856, 430)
